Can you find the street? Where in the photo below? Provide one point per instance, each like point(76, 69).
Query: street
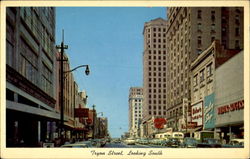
point(123, 145)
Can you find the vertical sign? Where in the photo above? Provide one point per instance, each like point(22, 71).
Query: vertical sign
point(209, 118)
point(197, 113)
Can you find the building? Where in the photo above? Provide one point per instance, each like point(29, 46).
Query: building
point(80, 115)
point(203, 84)
point(154, 69)
point(102, 131)
point(135, 110)
point(190, 30)
point(30, 76)
point(229, 98)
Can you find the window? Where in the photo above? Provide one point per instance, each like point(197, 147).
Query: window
point(209, 70)
point(237, 19)
point(202, 77)
point(224, 31)
point(213, 15)
point(195, 82)
point(199, 41)
point(213, 27)
point(212, 38)
point(9, 53)
point(199, 26)
point(199, 14)
point(237, 44)
point(237, 31)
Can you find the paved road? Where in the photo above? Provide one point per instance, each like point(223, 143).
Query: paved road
point(123, 145)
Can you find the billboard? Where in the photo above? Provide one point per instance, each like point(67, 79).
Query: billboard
point(209, 117)
point(197, 112)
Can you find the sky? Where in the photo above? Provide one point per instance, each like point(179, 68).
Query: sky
point(110, 41)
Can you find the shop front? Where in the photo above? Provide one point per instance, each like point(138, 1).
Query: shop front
point(229, 120)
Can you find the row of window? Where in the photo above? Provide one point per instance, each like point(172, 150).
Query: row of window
point(155, 85)
point(159, 107)
point(159, 52)
point(155, 29)
point(209, 70)
point(155, 90)
point(212, 16)
point(155, 57)
point(155, 113)
point(154, 96)
point(155, 46)
point(155, 101)
point(159, 80)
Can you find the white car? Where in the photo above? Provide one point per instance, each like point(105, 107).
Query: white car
point(129, 141)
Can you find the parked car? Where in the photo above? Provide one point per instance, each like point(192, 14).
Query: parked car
point(129, 141)
point(83, 144)
point(144, 141)
point(189, 142)
point(210, 142)
point(173, 142)
point(235, 143)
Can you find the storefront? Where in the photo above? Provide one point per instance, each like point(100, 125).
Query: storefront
point(229, 99)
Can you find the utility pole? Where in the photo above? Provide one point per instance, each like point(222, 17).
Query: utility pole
point(62, 47)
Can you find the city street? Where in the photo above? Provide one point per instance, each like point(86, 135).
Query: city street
point(123, 145)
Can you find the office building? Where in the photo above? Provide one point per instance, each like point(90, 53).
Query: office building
point(135, 110)
point(154, 69)
point(191, 30)
point(30, 76)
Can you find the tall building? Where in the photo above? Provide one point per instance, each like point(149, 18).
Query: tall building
point(190, 30)
point(30, 76)
point(135, 110)
point(154, 69)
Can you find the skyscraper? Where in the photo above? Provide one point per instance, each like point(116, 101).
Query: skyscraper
point(154, 69)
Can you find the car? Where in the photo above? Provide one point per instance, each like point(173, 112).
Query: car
point(210, 142)
point(90, 143)
point(234, 143)
point(144, 141)
point(173, 142)
point(189, 142)
point(76, 145)
point(130, 141)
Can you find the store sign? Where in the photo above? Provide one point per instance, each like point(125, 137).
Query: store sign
point(197, 113)
point(190, 125)
point(231, 107)
point(209, 118)
point(159, 123)
point(81, 112)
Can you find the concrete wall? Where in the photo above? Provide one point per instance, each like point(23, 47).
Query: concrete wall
point(229, 88)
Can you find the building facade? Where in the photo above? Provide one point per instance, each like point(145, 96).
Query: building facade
point(154, 69)
point(30, 76)
point(191, 30)
point(203, 84)
point(135, 110)
point(229, 98)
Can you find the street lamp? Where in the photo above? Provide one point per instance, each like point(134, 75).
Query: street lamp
point(62, 47)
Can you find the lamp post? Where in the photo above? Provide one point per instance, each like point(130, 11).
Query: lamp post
point(62, 47)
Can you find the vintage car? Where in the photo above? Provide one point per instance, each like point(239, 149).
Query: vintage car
point(210, 142)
